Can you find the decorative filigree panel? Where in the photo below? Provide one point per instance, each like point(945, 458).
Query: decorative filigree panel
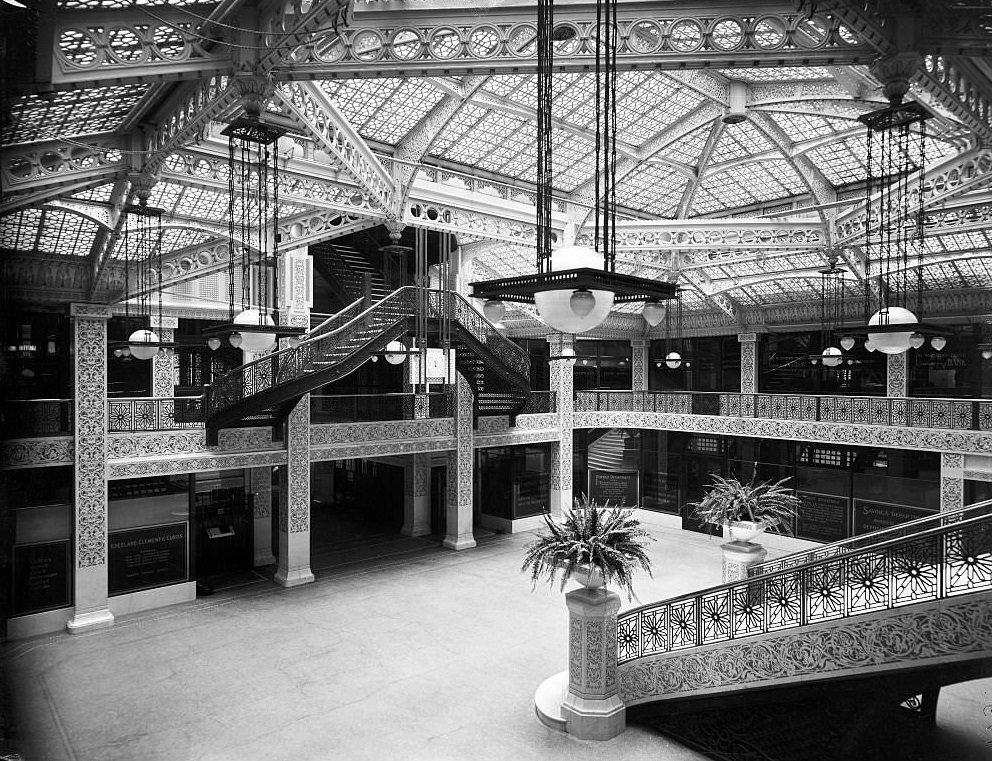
point(749, 362)
point(261, 489)
point(39, 452)
point(90, 337)
point(298, 458)
point(194, 464)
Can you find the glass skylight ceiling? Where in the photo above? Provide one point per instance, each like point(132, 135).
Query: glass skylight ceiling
point(48, 231)
point(70, 113)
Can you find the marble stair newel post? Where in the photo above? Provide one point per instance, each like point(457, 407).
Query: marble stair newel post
point(296, 293)
point(738, 557)
point(261, 490)
point(416, 495)
point(459, 534)
point(593, 709)
point(561, 451)
point(91, 603)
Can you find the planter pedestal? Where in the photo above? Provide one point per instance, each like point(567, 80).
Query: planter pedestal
point(738, 557)
point(587, 705)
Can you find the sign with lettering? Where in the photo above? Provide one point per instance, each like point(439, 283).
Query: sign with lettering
point(872, 516)
point(147, 557)
point(617, 486)
point(822, 517)
point(41, 577)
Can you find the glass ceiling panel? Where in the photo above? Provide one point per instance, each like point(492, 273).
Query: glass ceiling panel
point(653, 188)
point(57, 232)
point(173, 240)
point(739, 140)
point(842, 162)
point(802, 127)
point(99, 194)
point(687, 149)
point(72, 112)
point(778, 74)
point(747, 184)
point(383, 109)
point(18, 231)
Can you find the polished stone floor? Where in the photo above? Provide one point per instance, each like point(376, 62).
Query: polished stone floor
point(399, 650)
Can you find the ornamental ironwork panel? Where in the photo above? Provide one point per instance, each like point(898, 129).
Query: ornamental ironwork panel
point(154, 413)
point(947, 557)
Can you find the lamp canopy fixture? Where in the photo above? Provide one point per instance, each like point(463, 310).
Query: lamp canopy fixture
point(894, 238)
point(575, 287)
point(253, 224)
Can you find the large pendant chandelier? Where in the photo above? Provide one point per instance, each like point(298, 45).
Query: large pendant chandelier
point(894, 237)
point(576, 286)
point(253, 224)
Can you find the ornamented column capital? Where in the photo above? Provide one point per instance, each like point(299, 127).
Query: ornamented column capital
point(90, 311)
point(255, 91)
point(895, 74)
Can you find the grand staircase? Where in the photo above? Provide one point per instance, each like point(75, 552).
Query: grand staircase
point(264, 391)
point(877, 621)
point(348, 272)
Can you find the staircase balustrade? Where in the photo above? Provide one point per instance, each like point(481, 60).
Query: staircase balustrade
point(936, 563)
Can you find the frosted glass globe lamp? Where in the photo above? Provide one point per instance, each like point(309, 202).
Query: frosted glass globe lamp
point(831, 356)
point(256, 342)
point(673, 360)
point(556, 308)
point(142, 344)
point(895, 342)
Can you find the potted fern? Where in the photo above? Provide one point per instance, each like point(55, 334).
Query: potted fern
point(594, 544)
point(747, 510)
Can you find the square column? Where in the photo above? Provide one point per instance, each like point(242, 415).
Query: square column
point(89, 328)
point(896, 375)
point(951, 481)
point(749, 362)
point(165, 368)
point(261, 491)
point(295, 300)
point(461, 463)
point(416, 495)
point(294, 507)
point(561, 451)
point(639, 364)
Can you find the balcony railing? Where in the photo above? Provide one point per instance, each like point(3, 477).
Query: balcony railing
point(958, 414)
point(936, 563)
point(154, 413)
point(358, 408)
point(26, 418)
point(539, 402)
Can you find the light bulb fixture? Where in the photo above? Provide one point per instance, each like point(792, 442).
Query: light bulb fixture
point(494, 309)
point(814, 361)
point(831, 357)
point(294, 341)
point(398, 355)
point(118, 352)
point(673, 360)
point(235, 340)
point(938, 342)
point(125, 351)
point(375, 357)
point(986, 353)
point(653, 313)
point(917, 340)
point(869, 346)
point(143, 344)
point(582, 302)
point(847, 343)
point(214, 343)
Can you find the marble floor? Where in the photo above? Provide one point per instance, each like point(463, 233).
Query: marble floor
point(399, 650)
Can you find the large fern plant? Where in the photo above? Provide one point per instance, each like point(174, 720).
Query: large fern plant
point(599, 536)
point(767, 502)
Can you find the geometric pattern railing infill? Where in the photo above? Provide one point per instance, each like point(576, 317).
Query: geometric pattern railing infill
point(25, 418)
point(154, 413)
point(954, 414)
point(937, 563)
point(864, 540)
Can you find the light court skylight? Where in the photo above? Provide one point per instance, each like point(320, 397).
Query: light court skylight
point(70, 113)
point(383, 109)
point(48, 231)
point(655, 189)
point(778, 74)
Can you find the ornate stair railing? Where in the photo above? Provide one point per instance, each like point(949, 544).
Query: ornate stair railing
point(864, 540)
point(264, 390)
point(941, 562)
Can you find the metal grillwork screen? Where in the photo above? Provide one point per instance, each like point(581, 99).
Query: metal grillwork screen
point(956, 414)
point(154, 413)
point(939, 562)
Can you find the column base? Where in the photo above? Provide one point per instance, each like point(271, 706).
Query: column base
point(293, 578)
point(263, 558)
point(84, 622)
point(457, 544)
point(584, 718)
point(416, 531)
